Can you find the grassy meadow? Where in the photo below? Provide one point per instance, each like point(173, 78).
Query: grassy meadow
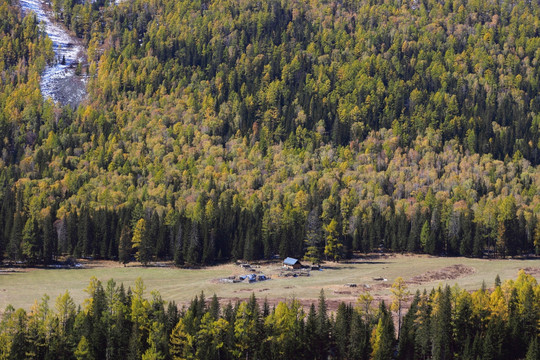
point(21, 287)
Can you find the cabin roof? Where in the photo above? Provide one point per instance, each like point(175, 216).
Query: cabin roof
point(290, 261)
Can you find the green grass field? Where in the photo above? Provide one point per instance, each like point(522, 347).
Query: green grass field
point(21, 287)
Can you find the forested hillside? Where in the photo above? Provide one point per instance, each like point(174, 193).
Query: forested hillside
point(218, 130)
point(447, 323)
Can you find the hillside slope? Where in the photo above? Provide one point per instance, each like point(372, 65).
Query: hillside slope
point(242, 129)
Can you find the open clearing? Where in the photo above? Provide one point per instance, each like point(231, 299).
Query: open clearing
point(21, 287)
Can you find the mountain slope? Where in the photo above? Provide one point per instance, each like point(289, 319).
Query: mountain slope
point(245, 129)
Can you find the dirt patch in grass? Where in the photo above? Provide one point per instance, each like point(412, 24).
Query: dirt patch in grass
point(447, 273)
point(534, 271)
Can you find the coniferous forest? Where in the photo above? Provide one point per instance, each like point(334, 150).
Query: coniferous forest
point(243, 129)
point(115, 323)
point(218, 130)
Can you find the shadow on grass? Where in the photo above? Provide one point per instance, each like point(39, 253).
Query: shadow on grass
point(324, 267)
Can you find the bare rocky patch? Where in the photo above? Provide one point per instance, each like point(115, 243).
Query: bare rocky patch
point(446, 273)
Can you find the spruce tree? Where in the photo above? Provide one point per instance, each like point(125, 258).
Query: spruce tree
point(383, 336)
point(311, 333)
point(333, 248)
point(14, 251)
point(49, 239)
point(406, 340)
point(466, 245)
point(424, 236)
point(194, 247)
point(359, 346)
point(323, 328)
point(423, 328)
point(141, 242)
point(178, 246)
point(31, 245)
point(341, 332)
point(442, 326)
point(533, 352)
point(478, 242)
point(313, 237)
point(83, 350)
point(124, 246)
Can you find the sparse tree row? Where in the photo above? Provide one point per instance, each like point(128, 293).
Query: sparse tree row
point(447, 323)
point(220, 130)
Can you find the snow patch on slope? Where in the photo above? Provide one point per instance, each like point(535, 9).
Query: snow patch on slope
point(58, 80)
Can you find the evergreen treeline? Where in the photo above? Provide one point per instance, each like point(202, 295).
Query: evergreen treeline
point(447, 323)
point(238, 129)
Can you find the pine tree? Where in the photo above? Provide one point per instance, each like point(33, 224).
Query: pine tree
point(465, 322)
point(342, 327)
point(313, 237)
point(84, 232)
point(15, 238)
point(497, 281)
point(383, 336)
point(124, 246)
point(436, 239)
point(178, 246)
point(31, 245)
point(134, 351)
point(507, 234)
point(172, 317)
point(442, 325)
point(359, 346)
point(478, 244)
point(156, 350)
point(537, 238)
point(415, 233)
point(72, 233)
point(83, 350)
point(311, 333)
point(466, 245)
point(424, 236)
point(245, 332)
point(333, 248)
point(194, 249)
point(423, 328)
point(213, 309)
point(141, 242)
point(400, 294)
point(406, 339)
point(153, 234)
point(49, 248)
point(533, 353)
point(323, 328)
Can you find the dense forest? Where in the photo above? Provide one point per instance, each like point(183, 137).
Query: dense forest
point(115, 323)
point(218, 130)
